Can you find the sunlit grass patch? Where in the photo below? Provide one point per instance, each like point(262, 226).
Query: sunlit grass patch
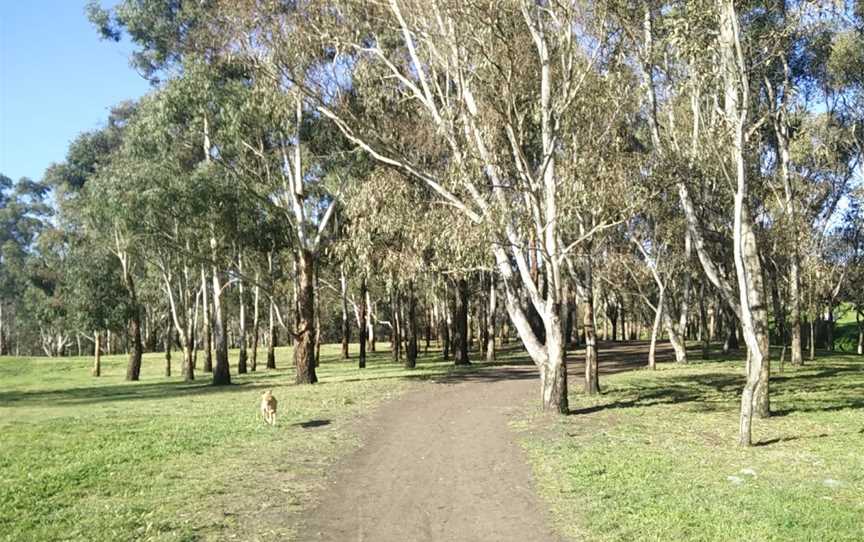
point(655, 457)
point(87, 458)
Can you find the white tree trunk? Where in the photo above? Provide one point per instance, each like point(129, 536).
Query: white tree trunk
point(754, 314)
point(490, 322)
point(655, 329)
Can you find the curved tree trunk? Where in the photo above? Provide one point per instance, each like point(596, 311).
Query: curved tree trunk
point(271, 339)
point(677, 341)
point(748, 267)
point(304, 344)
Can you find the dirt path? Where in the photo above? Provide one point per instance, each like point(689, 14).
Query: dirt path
point(441, 464)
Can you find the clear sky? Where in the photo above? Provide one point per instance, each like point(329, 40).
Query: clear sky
point(57, 79)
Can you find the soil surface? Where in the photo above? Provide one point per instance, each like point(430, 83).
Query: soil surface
point(442, 463)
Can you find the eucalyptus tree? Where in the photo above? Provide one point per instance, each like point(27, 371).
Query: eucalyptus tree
point(24, 216)
point(93, 173)
point(163, 146)
point(97, 300)
point(503, 169)
point(266, 149)
point(710, 129)
point(852, 233)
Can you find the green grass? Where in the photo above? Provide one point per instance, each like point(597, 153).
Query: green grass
point(846, 330)
point(655, 457)
point(95, 459)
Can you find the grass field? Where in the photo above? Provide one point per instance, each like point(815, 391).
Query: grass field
point(652, 458)
point(655, 457)
point(96, 459)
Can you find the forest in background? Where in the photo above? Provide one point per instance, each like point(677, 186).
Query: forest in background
point(547, 172)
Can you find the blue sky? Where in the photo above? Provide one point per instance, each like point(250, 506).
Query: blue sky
point(57, 79)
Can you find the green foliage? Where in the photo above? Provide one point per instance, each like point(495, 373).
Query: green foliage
point(97, 298)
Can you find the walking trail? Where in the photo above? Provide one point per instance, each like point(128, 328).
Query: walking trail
point(441, 464)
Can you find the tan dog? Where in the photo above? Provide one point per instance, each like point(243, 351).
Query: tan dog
point(268, 407)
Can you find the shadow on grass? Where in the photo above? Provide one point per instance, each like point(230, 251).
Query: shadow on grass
point(824, 389)
point(330, 372)
point(311, 424)
point(124, 392)
point(778, 440)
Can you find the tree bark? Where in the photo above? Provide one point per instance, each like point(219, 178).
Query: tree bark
point(243, 355)
point(795, 309)
point(411, 325)
point(428, 330)
point(655, 329)
point(460, 324)
point(3, 333)
point(444, 330)
point(860, 349)
point(221, 372)
point(133, 369)
point(271, 338)
point(675, 338)
point(370, 334)
point(703, 324)
point(317, 320)
point(256, 325)
point(490, 322)
point(363, 328)
point(346, 322)
point(592, 379)
point(304, 335)
point(395, 326)
point(271, 325)
point(97, 354)
point(169, 330)
point(189, 346)
point(553, 373)
point(208, 330)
